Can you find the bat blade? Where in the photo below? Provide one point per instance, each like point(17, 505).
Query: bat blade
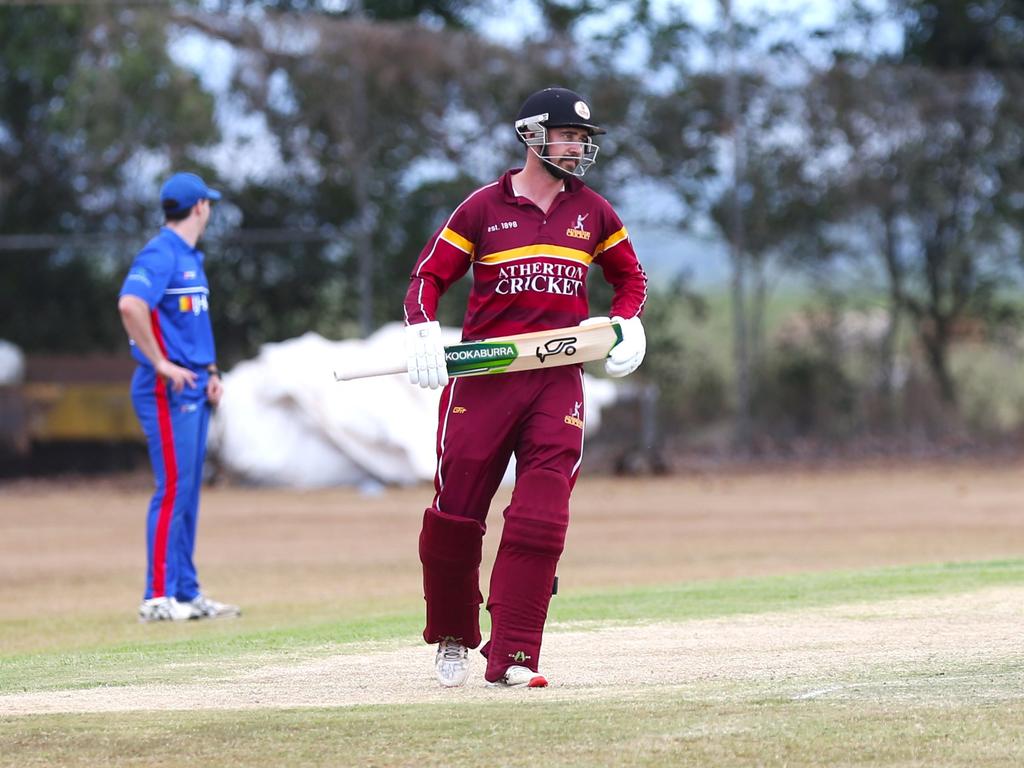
point(507, 354)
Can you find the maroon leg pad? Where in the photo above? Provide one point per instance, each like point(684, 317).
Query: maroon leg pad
point(531, 543)
point(450, 550)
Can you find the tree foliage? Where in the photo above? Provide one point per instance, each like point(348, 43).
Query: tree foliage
point(926, 180)
point(81, 114)
point(958, 34)
point(344, 132)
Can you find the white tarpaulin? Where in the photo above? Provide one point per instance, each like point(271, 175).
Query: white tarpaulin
point(12, 364)
point(284, 420)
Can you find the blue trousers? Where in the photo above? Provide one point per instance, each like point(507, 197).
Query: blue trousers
point(175, 425)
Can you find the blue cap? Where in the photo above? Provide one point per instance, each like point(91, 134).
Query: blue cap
point(183, 190)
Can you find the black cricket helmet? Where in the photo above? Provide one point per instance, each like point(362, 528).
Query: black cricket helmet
point(557, 108)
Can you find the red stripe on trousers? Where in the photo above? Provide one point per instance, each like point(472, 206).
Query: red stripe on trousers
point(163, 413)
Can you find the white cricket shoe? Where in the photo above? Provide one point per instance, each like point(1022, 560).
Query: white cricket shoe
point(212, 609)
point(451, 665)
point(516, 676)
point(166, 609)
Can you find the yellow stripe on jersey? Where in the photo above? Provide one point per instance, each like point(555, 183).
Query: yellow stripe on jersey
point(555, 251)
point(612, 241)
point(453, 237)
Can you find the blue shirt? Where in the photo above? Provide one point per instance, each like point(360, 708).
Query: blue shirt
point(168, 275)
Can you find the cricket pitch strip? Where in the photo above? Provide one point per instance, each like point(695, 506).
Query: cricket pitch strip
point(916, 649)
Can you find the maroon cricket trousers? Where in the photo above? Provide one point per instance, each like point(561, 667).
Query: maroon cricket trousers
point(484, 420)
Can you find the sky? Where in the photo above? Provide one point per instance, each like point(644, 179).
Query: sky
point(519, 19)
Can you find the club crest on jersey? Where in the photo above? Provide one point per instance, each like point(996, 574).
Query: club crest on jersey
point(189, 274)
point(578, 231)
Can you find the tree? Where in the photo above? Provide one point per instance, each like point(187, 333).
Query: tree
point(379, 130)
point(80, 116)
point(954, 34)
point(932, 165)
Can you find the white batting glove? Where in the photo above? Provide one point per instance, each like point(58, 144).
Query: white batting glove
point(425, 353)
point(627, 355)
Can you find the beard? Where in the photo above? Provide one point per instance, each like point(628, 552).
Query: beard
point(553, 167)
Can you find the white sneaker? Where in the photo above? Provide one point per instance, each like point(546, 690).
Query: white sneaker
point(211, 609)
point(517, 676)
point(166, 609)
point(451, 665)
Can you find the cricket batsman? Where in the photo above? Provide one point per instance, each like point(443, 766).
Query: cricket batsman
point(530, 238)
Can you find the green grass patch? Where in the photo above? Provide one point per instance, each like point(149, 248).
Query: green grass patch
point(701, 600)
point(657, 728)
point(172, 652)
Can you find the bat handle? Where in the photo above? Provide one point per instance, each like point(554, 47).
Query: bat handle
point(355, 369)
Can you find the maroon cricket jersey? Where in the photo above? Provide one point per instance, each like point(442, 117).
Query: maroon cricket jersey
point(529, 267)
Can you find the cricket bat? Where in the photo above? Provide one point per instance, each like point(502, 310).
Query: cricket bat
point(506, 354)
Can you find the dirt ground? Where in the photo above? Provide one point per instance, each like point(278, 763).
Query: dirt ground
point(69, 544)
point(70, 541)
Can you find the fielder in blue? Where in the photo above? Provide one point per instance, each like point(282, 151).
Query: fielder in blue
point(165, 308)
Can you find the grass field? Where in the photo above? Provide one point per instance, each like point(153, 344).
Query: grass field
point(859, 617)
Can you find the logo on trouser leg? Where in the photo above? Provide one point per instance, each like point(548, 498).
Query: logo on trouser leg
point(520, 656)
point(574, 419)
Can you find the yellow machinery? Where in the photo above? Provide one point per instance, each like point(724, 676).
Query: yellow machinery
point(69, 399)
